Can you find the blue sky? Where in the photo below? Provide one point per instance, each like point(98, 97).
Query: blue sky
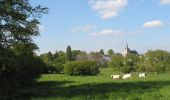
point(91, 25)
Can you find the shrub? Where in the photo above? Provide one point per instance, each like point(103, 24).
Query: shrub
point(82, 68)
point(53, 69)
point(116, 62)
point(126, 69)
point(156, 61)
point(21, 71)
point(28, 71)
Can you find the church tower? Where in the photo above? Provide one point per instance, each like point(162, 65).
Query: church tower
point(126, 50)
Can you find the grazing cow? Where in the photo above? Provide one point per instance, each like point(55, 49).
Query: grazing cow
point(142, 75)
point(115, 77)
point(126, 76)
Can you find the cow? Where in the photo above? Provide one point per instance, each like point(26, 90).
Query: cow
point(126, 76)
point(142, 75)
point(115, 77)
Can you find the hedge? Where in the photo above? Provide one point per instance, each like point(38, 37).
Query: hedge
point(86, 67)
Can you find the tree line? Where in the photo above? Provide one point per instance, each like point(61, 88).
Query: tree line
point(151, 61)
point(59, 61)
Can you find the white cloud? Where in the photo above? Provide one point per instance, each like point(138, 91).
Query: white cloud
point(154, 23)
point(107, 32)
point(164, 1)
point(85, 28)
point(108, 8)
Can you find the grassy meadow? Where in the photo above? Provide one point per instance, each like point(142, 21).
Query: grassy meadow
point(100, 87)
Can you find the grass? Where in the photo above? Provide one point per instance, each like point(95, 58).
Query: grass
point(100, 87)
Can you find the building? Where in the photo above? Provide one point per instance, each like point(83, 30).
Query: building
point(126, 50)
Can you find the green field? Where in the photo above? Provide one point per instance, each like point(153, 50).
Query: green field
point(101, 87)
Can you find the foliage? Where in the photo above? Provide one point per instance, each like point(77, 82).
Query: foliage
point(124, 64)
point(103, 63)
point(19, 23)
point(82, 56)
point(134, 52)
point(100, 87)
point(156, 61)
point(50, 57)
point(75, 53)
point(56, 54)
point(130, 63)
point(61, 59)
point(110, 52)
point(101, 51)
point(151, 61)
point(29, 70)
point(54, 68)
point(68, 54)
point(117, 61)
point(54, 62)
point(81, 68)
point(96, 56)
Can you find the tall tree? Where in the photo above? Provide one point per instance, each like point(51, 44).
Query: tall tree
point(19, 23)
point(68, 54)
point(101, 51)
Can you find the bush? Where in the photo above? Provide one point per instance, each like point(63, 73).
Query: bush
point(53, 69)
point(21, 71)
point(155, 61)
point(126, 69)
point(117, 62)
point(28, 71)
point(82, 68)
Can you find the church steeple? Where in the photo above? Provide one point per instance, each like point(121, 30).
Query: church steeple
point(126, 50)
point(127, 45)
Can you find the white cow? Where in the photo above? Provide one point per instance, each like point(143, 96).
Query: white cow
point(142, 75)
point(115, 76)
point(126, 76)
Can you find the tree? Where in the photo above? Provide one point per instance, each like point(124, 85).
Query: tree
point(101, 51)
point(49, 56)
point(158, 60)
point(54, 63)
point(117, 61)
point(19, 23)
point(55, 56)
point(110, 52)
point(75, 53)
point(82, 56)
point(62, 57)
point(124, 64)
point(134, 52)
point(68, 54)
point(130, 63)
point(82, 68)
point(96, 56)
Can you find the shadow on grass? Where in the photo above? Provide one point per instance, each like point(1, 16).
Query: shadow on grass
point(52, 89)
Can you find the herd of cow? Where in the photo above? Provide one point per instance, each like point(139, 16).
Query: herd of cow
point(126, 76)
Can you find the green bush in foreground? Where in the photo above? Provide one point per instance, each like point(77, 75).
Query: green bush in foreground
point(85, 67)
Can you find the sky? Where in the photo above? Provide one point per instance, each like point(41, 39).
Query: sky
point(92, 25)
